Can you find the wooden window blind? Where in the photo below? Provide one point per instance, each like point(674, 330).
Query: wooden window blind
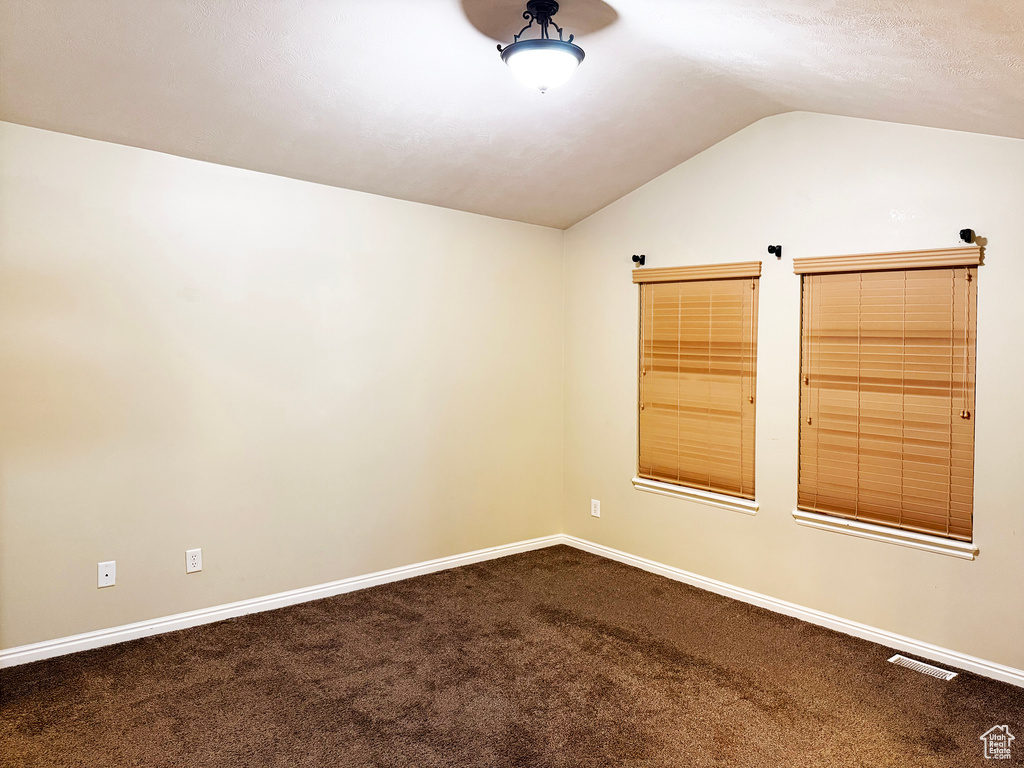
point(698, 359)
point(887, 389)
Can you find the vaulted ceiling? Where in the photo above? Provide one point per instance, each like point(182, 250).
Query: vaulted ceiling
point(409, 99)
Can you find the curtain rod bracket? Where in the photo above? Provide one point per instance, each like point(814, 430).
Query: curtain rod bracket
point(640, 260)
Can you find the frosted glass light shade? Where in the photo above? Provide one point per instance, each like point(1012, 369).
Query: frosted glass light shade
point(542, 64)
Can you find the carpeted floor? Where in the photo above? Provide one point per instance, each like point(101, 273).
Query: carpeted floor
point(549, 658)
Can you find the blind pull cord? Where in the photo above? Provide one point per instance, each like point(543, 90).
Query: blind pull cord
point(643, 324)
point(750, 349)
point(965, 413)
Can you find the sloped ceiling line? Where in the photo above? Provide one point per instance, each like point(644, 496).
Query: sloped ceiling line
point(409, 99)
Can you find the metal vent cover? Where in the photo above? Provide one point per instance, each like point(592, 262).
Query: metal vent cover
point(920, 666)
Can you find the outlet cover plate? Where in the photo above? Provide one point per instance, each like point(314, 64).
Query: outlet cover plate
point(193, 560)
point(106, 574)
point(595, 508)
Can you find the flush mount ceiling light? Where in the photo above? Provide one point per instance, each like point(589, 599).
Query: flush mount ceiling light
point(542, 62)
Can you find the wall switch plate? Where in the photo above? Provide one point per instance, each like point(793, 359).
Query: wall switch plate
point(193, 560)
point(595, 508)
point(106, 574)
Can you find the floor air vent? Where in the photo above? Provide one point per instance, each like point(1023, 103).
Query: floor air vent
point(920, 666)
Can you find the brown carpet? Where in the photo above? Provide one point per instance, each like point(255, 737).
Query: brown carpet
point(549, 658)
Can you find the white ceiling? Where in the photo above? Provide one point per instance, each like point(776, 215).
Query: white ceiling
point(408, 98)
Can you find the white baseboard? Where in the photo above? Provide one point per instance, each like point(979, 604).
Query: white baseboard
point(27, 653)
point(882, 637)
point(36, 651)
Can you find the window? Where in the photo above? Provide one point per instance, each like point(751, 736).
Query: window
point(697, 381)
point(887, 393)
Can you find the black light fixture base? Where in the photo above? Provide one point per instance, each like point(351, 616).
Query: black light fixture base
point(541, 10)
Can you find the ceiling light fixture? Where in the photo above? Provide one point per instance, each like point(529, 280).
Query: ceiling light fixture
point(542, 62)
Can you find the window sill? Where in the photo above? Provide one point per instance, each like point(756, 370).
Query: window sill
point(922, 541)
point(712, 499)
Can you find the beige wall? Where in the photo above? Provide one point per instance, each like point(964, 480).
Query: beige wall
point(309, 383)
point(819, 185)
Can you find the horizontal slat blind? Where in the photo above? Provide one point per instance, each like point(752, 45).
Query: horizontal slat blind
point(698, 358)
point(887, 398)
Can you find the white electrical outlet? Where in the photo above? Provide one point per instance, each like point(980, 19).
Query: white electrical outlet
point(595, 508)
point(193, 560)
point(106, 574)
